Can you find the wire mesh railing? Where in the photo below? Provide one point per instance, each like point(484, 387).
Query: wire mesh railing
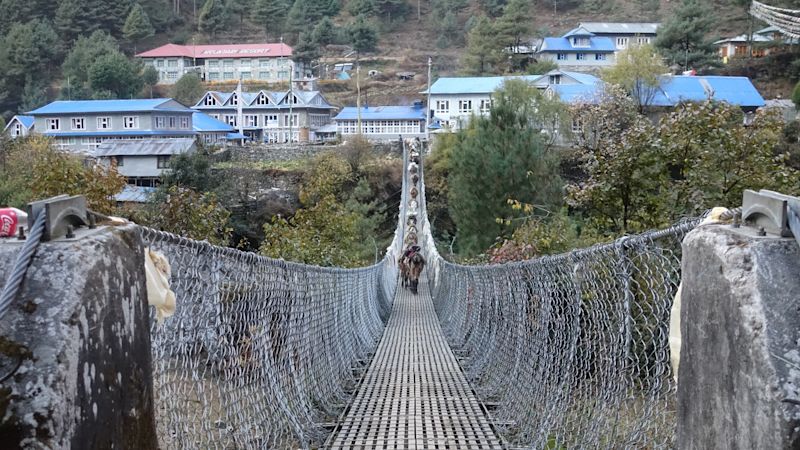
point(568, 351)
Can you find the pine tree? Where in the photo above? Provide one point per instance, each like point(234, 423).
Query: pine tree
point(212, 17)
point(324, 32)
point(514, 24)
point(304, 13)
point(84, 52)
point(72, 20)
point(448, 31)
point(364, 8)
point(271, 14)
point(483, 50)
point(306, 50)
point(34, 95)
point(160, 13)
point(138, 25)
point(363, 36)
point(390, 10)
point(236, 8)
point(682, 37)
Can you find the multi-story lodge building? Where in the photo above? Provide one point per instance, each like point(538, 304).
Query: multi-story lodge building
point(623, 34)
point(382, 122)
point(142, 162)
point(81, 125)
point(454, 100)
point(267, 116)
point(580, 50)
point(261, 62)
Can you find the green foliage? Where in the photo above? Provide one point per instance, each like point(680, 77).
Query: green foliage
point(498, 158)
point(514, 24)
point(361, 7)
point(84, 52)
point(211, 18)
point(26, 55)
point(304, 14)
point(190, 171)
point(796, 95)
point(493, 8)
point(682, 37)
point(306, 50)
point(188, 213)
point(363, 36)
point(34, 95)
point(542, 67)
point(115, 76)
point(638, 70)
point(271, 15)
point(324, 33)
point(137, 25)
point(149, 77)
point(188, 89)
point(32, 169)
point(236, 8)
point(449, 31)
point(483, 53)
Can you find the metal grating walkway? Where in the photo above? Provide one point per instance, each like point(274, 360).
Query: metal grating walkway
point(414, 395)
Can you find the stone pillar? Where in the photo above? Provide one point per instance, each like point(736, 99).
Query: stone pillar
point(75, 346)
point(739, 378)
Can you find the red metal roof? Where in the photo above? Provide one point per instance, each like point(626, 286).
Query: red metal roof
point(218, 51)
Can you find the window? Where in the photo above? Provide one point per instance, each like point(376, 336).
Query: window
point(486, 105)
point(213, 63)
point(465, 106)
point(172, 63)
point(622, 42)
point(130, 122)
point(600, 56)
point(577, 125)
point(159, 63)
point(263, 75)
point(227, 75)
point(172, 75)
point(246, 75)
point(245, 62)
point(161, 122)
point(173, 122)
point(230, 120)
point(104, 123)
point(283, 74)
point(271, 120)
point(580, 42)
point(561, 56)
point(17, 130)
point(120, 160)
point(228, 63)
point(234, 99)
point(286, 120)
point(262, 100)
point(580, 56)
point(644, 40)
point(163, 161)
point(442, 106)
point(555, 79)
point(263, 63)
point(212, 76)
point(78, 123)
point(185, 123)
point(250, 120)
point(210, 100)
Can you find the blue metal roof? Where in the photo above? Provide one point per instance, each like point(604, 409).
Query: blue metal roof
point(578, 93)
point(473, 85)
point(734, 90)
point(121, 133)
point(110, 106)
point(26, 121)
point(563, 45)
point(583, 78)
point(382, 113)
point(203, 123)
point(235, 136)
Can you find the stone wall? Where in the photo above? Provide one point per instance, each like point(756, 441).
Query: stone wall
point(75, 346)
point(739, 378)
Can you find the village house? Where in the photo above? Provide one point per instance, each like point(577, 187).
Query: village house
point(764, 41)
point(19, 126)
point(623, 35)
point(224, 63)
point(82, 125)
point(142, 162)
point(212, 131)
point(454, 100)
point(579, 50)
point(382, 123)
point(267, 116)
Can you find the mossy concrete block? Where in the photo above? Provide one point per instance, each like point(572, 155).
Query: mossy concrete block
point(75, 346)
point(739, 379)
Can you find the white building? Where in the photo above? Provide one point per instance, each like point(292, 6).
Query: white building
point(224, 63)
point(454, 100)
point(19, 126)
point(623, 34)
point(143, 162)
point(383, 123)
point(579, 50)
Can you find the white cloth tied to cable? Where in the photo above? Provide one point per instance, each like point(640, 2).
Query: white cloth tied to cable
point(715, 216)
point(159, 294)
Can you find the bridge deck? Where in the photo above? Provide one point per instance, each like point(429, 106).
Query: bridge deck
point(414, 394)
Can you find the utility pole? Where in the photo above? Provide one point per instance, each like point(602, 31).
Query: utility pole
point(419, 11)
point(291, 99)
point(239, 112)
point(428, 104)
point(358, 94)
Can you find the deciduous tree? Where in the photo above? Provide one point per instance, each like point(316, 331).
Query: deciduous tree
point(638, 71)
point(188, 89)
point(115, 76)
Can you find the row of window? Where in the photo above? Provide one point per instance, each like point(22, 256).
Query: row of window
point(171, 122)
point(247, 62)
point(262, 100)
point(622, 42)
point(103, 123)
point(581, 56)
point(254, 120)
point(464, 106)
point(162, 161)
point(97, 140)
point(247, 75)
point(382, 126)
